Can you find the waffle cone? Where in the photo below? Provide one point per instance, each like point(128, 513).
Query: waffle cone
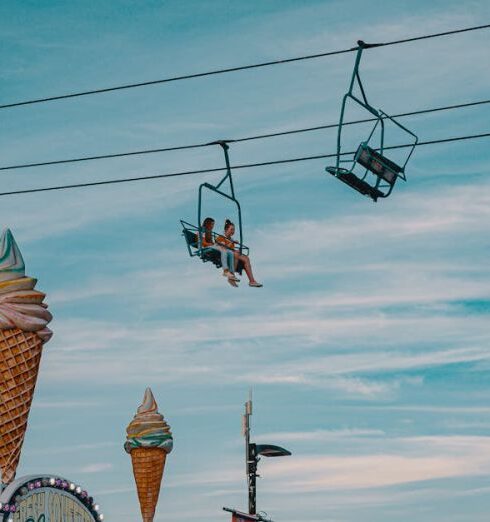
point(148, 466)
point(20, 355)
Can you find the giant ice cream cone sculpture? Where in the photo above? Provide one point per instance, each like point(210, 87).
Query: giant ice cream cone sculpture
point(23, 331)
point(149, 441)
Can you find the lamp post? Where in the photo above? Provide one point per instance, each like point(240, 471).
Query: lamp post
point(252, 456)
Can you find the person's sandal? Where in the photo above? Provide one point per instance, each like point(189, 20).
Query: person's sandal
point(255, 285)
point(232, 282)
point(233, 277)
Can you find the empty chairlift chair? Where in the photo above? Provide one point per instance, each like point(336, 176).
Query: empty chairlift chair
point(370, 172)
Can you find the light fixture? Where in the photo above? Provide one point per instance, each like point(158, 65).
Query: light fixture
point(269, 450)
point(252, 456)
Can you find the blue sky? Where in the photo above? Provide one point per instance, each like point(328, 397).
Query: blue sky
point(367, 348)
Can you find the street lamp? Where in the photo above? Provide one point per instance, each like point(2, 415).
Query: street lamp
point(253, 452)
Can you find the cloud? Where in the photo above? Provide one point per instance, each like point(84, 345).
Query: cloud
point(320, 473)
point(72, 449)
point(429, 408)
point(336, 357)
point(115, 491)
point(415, 459)
point(440, 212)
point(97, 467)
point(66, 404)
point(71, 212)
point(318, 435)
point(408, 460)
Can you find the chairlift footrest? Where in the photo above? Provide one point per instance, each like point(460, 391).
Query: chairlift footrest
point(356, 183)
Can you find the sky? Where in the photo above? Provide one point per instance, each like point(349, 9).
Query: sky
point(367, 349)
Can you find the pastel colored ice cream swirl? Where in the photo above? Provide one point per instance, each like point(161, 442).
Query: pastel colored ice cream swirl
point(148, 428)
point(20, 305)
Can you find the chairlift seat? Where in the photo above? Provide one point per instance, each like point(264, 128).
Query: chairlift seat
point(190, 237)
point(213, 256)
point(378, 164)
point(349, 178)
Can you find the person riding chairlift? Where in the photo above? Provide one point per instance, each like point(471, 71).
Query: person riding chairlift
point(227, 257)
point(226, 240)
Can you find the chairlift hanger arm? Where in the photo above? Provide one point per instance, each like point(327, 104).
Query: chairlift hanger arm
point(364, 104)
point(355, 73)
point(220, 192)
point(350, 94)
point(224, 145)
point(361, 87)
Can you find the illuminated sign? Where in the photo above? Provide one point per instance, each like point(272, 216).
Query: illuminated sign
point(47, 499)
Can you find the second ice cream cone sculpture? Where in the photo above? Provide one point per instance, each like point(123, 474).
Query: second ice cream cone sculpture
point(149, 441)
point(23, 332)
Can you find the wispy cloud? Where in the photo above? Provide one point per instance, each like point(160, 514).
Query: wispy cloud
point(97, 467)
point(72, 448)
point(66, 404)
point(318, 435)
point(417, 459)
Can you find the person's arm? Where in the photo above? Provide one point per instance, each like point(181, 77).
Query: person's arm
point(226, 242)
point(220, 240)
point(205, 243)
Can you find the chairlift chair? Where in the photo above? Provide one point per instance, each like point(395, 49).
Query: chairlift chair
point(193, 233)
point(379, 172)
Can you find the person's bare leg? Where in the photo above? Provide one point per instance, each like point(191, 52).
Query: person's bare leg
point(247, 266)
point(230, 274)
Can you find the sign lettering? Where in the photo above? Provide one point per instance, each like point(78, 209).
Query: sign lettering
point(46, 505)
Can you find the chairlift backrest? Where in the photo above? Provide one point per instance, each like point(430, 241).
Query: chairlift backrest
point(376, 163)
point(191, 238)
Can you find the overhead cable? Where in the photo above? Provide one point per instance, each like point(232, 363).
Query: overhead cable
point(235, 167)
point(238, 140)
point(232, 69)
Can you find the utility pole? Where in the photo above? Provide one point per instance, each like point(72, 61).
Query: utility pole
point(250, 458)
point(253, 452)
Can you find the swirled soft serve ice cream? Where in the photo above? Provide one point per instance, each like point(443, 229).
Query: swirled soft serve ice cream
point(23, 331)
point(148, 441)
point(20, 305)
point(148, 429)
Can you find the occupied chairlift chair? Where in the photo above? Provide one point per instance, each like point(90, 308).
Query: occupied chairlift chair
point(193, 234)
point(380, 173)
